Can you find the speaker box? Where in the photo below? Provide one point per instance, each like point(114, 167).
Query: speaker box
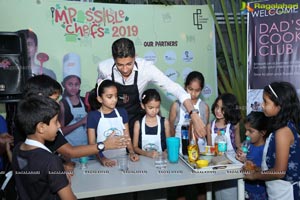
point(14, 69)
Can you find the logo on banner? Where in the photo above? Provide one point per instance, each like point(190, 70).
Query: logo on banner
point(172, 74)
point(79, 23)
point(198, 19)
point(150, 56)
point(261, 10)
point(245, 8)
point(207, 91)
point(170, 57)
point(187, 56)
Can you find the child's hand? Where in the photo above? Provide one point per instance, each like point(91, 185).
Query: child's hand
point(107, 162)
point(251, 174)
point(134, 157)
point(165, 153)
point(250, 170)
point(7, 146)
point(248, 175)
point(240, 155)
point(250, 166)
point(8, 150)
point(152, 154)
point(69, 169)
point(6, 138)
point(83, 121)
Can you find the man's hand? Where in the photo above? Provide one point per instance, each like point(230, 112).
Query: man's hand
point(199, 127)
point(116, 142)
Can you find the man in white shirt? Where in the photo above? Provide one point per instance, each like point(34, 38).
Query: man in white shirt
point(132, 75)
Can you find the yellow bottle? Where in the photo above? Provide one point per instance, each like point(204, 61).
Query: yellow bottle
point(193, 151)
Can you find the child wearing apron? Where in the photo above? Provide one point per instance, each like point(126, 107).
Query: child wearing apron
point(227, 117)
point(108, 121)
point(151, 131)
point(73, 112)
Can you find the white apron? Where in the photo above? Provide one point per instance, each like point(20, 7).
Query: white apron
point(276, 189)
point(227, 134)
point(78, 136)
point(225, 190)
point(153, 141)
point(105, 127)
point(183, 112)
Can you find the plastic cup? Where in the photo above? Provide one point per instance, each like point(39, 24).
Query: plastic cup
point(173, 149)
point(160, 161)
point(123, 162)
point(209, 150)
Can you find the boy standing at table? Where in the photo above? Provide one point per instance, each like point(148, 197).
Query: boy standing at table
point(39, 174)
point(44, 85)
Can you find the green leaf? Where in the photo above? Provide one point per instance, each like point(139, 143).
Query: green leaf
point(232, 60)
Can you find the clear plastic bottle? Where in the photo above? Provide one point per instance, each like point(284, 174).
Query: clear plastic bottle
point(83, 162)
point(202, 143)
point(185, 134)
point(246, 145)
point(222, 143)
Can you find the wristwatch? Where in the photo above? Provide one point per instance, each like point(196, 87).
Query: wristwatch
point(100, 146)
point(194, 111)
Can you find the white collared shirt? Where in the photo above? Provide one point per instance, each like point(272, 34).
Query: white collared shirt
point(147, 73)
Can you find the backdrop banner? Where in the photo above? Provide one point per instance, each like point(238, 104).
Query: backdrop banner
point(178, 39)
point(273, 46)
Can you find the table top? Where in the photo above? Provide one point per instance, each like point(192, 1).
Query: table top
point(97, 180)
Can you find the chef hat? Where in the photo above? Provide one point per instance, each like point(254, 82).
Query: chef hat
point(71, 65)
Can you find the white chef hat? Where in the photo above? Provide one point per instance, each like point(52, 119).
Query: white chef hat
point(71, 65)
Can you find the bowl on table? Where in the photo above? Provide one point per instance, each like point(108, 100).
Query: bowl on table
point(202, 163)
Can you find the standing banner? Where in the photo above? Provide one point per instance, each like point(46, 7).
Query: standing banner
point(273, 46)
point(178, 39)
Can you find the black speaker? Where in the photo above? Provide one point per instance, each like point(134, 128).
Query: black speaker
point(14, 69)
